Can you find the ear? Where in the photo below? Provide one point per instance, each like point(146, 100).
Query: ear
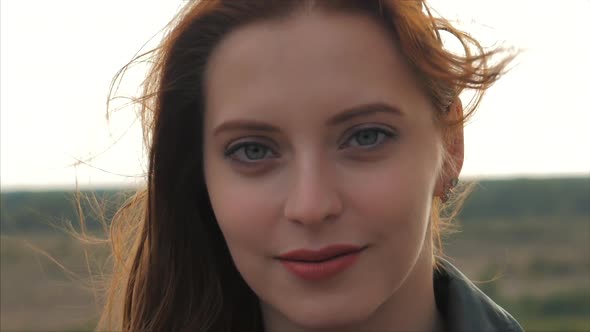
point(454, 145)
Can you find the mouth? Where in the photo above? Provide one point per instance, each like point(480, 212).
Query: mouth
point(323, 264)
point(322, 255)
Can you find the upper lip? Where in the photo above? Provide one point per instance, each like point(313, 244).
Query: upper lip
point(308, 255)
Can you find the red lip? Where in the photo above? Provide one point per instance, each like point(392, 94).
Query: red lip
point(332, 251)
point(315, 265)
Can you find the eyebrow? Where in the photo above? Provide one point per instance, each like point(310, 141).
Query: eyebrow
point(363, 110)
point(251, 125)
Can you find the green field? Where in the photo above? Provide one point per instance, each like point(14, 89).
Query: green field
point(533, 262)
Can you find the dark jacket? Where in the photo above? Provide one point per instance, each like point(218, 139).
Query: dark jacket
point(464, 307)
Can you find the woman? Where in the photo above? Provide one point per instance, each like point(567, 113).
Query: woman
point(300, 155)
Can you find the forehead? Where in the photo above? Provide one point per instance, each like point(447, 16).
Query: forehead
point(310, 61)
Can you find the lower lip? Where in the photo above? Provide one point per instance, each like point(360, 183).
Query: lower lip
point(319, 271)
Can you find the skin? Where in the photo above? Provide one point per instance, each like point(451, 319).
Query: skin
point(307, 180)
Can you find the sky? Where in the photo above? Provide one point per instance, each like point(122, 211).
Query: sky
point(57, 60)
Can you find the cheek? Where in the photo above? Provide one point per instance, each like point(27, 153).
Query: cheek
point(394, 200)
point(395, 208)
point(398, 189)
point(244, 211)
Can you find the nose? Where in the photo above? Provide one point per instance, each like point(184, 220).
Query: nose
point(313, 197)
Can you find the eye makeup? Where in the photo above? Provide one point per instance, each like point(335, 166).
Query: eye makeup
point(256, 150)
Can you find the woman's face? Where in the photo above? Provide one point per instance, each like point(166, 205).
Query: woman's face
point(316, 133)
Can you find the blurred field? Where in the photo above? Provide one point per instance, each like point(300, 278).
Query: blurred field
point(39, 295)
point(534, 264)
point(538, 270)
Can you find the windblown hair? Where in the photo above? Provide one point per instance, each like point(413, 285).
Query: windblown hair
point(172, 270)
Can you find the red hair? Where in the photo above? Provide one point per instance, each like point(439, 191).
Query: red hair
point(172, 268)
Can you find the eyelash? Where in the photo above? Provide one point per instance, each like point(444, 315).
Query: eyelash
point(233, 150)
point(383, 136)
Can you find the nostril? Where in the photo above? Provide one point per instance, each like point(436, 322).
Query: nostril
point(314, 209)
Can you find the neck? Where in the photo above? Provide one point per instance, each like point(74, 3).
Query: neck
point(411, 308)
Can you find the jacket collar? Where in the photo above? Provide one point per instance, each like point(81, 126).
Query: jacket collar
point(464, 307)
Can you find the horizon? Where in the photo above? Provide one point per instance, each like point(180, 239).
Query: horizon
point(121, 186)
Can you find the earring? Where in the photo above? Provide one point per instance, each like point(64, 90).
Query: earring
point(449, 189)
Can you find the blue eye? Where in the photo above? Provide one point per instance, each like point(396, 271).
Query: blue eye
point(369, 137)
point(249, 152)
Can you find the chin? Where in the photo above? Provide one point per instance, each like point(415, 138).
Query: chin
point(329, 316)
